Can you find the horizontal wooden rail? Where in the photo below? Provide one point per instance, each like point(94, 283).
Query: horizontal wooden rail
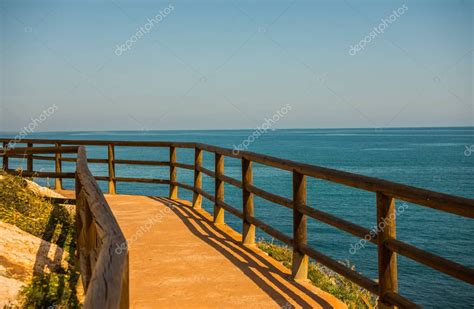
point(230, 209)
point(105, 161)
point(231, 181)
point(96, 161)
point(44, 158)
point(105, 143)
point(342, 269)
point(22, 156)
point(61, 200)
point(37, 150)
point(182, 165)
point(206, 171)
point(205, 194)
point(142, 162)
point(143, 180)
point(41, 174)
point(182, 185)
point(271, 231)
point(336, 222)
point(270, 196)
point(400, 301)
point(431, 260)
point(66, 159)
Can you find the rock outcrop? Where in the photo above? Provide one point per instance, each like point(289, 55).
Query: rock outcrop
point(22, 255)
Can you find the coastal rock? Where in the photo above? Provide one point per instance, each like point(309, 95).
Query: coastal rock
point(39, 190)
point(22, 255)
point(42, 191)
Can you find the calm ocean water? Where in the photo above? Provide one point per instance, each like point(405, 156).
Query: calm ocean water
point(431, 158)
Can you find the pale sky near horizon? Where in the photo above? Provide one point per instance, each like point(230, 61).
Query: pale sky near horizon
point(231, 64)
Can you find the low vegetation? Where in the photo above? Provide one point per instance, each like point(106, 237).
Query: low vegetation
point(324, 278)
point(53, 223)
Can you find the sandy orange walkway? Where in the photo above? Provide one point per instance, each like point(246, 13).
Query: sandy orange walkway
point(179, 259)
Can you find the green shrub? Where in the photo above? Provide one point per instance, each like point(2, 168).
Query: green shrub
point(324, 278)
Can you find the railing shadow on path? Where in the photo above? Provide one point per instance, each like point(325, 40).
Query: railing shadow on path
point(254, 266)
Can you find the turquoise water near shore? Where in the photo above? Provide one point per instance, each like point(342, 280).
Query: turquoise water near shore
point(431, 158)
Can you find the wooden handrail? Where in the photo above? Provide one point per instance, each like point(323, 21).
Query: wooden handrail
point(143, 180)
point(231, 181)
point(386, 192)
point(182, 165)
point(270, 196)
point(336, 222)
point(438, 263)
point(343, 270)
point(230, 209)
point(143, 162)
point(206, 171)
point(104, 271)
point(37, 150)
point(182, 185)
point(41, 174)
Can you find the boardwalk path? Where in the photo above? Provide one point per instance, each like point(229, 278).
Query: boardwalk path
point(179, 259)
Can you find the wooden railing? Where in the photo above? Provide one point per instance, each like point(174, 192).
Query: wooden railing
point(104, 271)
point(386, 287)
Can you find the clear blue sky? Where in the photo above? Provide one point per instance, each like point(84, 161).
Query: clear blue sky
point(231, 64)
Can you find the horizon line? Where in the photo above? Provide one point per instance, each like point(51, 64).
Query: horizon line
point(242, 129)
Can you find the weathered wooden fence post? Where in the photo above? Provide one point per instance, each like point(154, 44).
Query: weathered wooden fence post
point(29, 159)
point(111, 162)
point(219, 189)
point(5, 157)
point(300, 260)
point(248, 235)
point(387, 260)
point(58, 168)
point(173, 174)
point(197, 197)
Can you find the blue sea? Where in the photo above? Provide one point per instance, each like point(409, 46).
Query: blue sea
point(433, 158)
